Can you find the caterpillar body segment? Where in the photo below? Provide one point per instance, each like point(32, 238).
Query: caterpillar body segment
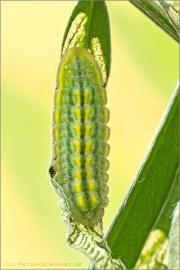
point(80, 136)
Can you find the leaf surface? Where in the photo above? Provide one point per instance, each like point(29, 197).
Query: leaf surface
point(154, 11)
point(150, 200)
point(89, 27)
point(174, 241)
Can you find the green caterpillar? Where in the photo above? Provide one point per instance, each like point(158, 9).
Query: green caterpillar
point(80, 136)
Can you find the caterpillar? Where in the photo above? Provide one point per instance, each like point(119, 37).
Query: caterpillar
point(80, 134)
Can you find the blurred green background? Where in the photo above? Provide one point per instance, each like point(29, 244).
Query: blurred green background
point(143, 75)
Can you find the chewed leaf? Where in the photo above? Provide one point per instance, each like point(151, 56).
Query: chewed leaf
point(172, 10)
point(90, 241)
point(98, 55)
point(154, 253)
point(88, 27)
point(76, 34)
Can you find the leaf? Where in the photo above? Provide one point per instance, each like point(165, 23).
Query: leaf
point(154, 11)
point(89, 240)
point(89, 27)
point(146, 207)
point(154, 253)
point(172, 11)
point(174, 241)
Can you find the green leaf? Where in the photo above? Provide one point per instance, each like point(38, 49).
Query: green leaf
point(174, 241)
point(154, 253)
point(89, 27)
point(154, 11)
point(146, 206)
point(172, 11)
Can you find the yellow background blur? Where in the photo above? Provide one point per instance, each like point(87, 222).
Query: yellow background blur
point(143, 75)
